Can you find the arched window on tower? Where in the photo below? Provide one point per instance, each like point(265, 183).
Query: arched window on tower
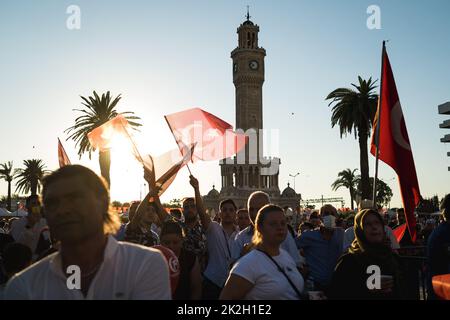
point(248, 40)
point(253, 40)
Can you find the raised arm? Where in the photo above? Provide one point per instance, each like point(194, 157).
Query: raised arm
point(204, 218)
point(149, 176)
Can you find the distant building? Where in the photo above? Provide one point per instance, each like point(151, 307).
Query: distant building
point(445, 109)
point(246, 172)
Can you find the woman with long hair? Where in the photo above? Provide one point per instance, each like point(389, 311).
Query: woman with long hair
point(267, 272)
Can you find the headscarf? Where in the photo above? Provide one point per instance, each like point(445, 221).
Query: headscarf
point(373, 253)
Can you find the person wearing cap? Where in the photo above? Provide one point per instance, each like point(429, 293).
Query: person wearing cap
point(322, 248)
point(438, 256)
point(370, 256)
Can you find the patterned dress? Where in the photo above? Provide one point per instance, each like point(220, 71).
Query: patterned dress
point(195, 242)
point(142, 236)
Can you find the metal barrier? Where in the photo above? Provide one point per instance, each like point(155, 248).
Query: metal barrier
point(414, 263)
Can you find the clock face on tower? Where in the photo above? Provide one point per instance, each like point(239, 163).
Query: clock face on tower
point(253, 65)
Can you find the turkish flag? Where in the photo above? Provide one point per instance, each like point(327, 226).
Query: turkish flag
point(394, 147)
point(62, 155)
point(102, 137)
point(167, 165)
point(399, 232)
point(214, 138)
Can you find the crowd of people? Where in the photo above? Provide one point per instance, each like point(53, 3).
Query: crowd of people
point(261, 252)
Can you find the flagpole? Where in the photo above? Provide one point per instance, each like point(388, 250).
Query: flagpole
point(377, 131)
point(132, 141)
point(171, 130)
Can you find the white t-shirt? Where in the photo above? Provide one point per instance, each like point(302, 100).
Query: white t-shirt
point(219, 253)
point(349, 236)
point(269, 282)
point(128, 271)
point(245, 236)
point(28, 237)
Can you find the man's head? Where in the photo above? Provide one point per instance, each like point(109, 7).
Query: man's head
point(132, 210)
point(176, 213)
point(256, 201)
point(328, 214)
point(401, 216)
point(33, 204)
point(172, 236)
point(445, 207)
point(189, 210)
point(243, 220)
point(149, 216)
point(314, 219)
point(227, 211)
point(76, 203)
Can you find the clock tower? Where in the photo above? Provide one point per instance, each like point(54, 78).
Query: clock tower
point(248, 77)
point(249, 171)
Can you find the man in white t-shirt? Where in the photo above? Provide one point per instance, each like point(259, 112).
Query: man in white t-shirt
point(219, 240)
point(91, 264)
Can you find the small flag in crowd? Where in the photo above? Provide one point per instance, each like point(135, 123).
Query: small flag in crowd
point(167, 165)
point(62, 155)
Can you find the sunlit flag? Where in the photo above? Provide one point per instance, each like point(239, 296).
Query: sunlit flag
point(62, 155)
point(214, 138)
point(103, 136)
point(167, 165)
point(393, 145)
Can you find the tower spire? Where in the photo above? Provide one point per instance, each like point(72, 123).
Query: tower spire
point(248, 13)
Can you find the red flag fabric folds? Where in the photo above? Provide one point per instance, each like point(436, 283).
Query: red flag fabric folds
point(101, 137)
point(167, 165)
point(214, 138)
point(394, 146)
point(399, 232)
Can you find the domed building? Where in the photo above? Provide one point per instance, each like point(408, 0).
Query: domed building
point(248, 171)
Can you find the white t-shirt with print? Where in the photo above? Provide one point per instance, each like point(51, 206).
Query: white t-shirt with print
point(269, 283)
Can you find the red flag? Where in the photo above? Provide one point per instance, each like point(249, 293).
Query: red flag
point(399, 232)
point(62, 155)
point(214, 138)
point(394, 146)
point(102, 136)
point(167, 165)
point(441, 286)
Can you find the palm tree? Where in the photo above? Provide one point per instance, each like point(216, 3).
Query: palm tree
point(383, 192)
point(7, 173)
point(354, 110)
point(30, 178)
point(99, 110)
point(349, 180)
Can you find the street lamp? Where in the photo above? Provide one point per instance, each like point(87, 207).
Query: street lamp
point(294, 176)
